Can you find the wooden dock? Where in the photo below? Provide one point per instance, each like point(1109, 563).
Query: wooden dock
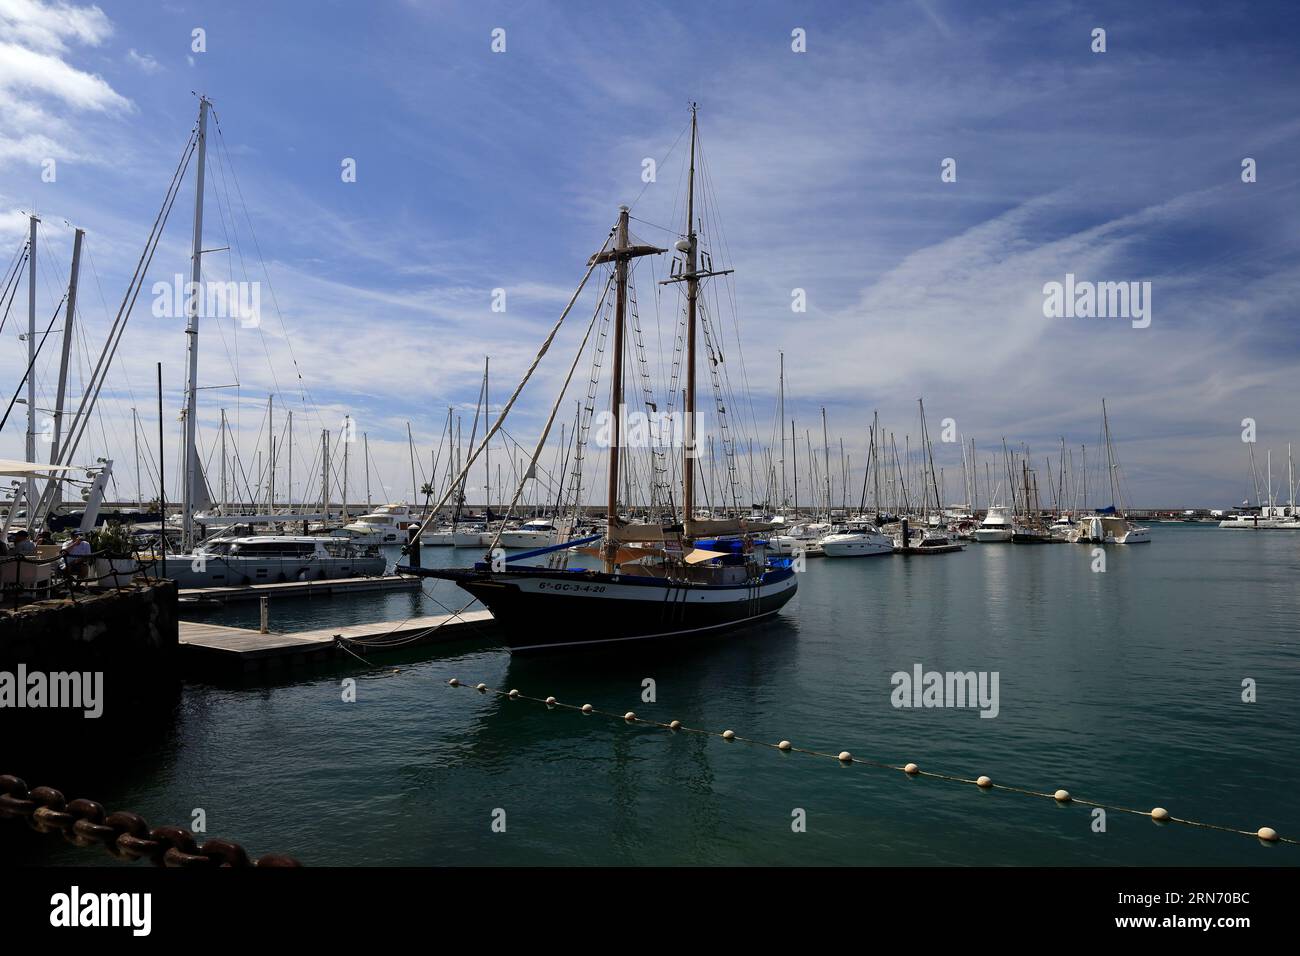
point(215, 646)
point(249, 592)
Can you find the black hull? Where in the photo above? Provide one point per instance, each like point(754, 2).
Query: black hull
point(543, 611)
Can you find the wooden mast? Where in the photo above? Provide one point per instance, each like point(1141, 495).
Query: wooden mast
point(619, 255)
point(691, 275)
point(692, 291)
point(616, 390)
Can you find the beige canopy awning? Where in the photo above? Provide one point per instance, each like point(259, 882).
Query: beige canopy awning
point(643, 532)
point(712, 527)
point(11, 468)
point(699, 556)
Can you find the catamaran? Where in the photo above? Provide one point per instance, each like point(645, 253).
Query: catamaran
point(686, 578)
point(1110, 525)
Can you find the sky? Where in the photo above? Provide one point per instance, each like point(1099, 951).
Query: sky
point(479, 170)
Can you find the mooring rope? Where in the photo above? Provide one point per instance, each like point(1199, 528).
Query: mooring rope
point(1159, 814)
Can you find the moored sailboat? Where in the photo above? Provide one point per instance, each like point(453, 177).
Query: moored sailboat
point(1110, 525)
point(690, 577)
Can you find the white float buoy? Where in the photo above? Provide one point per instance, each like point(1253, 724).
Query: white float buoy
point(1267, 834)
point(514, 694)
point(1160, 814)
point(983, 783)
point(550, 702)
point(675, 725)
point(846, 757)
point(911, 770)
point(1062, 796)
point(586, 708)
point(783, 745)
point(728, 735)
point(629, 716)
point(481, 688)
point(453, 682)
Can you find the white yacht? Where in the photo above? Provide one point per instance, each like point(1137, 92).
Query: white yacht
point(439, 537)
point(537, 533)
point(470, 535)
point(1268, 518)
point(268, 559)
point(804, 538)
point(996, 525)
point(387, 524)
point(857, 538)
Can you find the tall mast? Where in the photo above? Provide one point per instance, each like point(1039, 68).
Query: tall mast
point(224, 507)
point(189, 474)
point(826, 456)
point(410, 451)
point(1290, 477)
point(69, 319)
point(875, 452)
point(31, 363)
point(487, 447)
point(347, 421)
point(290, 475)
point(365, 442)
point(692, 290)
point(780, 418)
point(621, 252)
point(794, 463)
point(1110, 460)
point(616, 388)
point(135, 441)
point(270, 453)
point(325, 472)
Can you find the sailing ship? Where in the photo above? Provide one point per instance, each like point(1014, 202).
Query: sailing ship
point(686, 578)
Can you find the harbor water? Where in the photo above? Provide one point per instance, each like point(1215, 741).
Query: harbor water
point(1123, 687)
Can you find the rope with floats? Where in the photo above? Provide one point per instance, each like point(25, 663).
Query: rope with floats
point(1266, 835)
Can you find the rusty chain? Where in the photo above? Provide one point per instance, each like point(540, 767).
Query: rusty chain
point(122, 834)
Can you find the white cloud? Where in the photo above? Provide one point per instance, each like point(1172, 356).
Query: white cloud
point(35, 75)
point(47, 26)
point(143, 60)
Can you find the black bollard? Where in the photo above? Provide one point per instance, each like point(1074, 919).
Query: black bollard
point(413, 545)
point(907, 543)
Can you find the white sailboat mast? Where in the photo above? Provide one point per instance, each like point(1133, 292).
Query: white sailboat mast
point(189, 473)
point(31, 366)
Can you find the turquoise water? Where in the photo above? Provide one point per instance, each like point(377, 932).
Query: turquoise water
point(1122, 687)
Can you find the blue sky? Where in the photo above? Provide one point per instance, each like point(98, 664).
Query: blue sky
point(479, 170)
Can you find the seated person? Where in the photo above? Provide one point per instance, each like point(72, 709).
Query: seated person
point(23, 543)
point(76, 554)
